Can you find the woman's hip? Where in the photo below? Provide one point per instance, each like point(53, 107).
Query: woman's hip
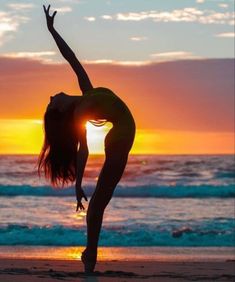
point(119, 140)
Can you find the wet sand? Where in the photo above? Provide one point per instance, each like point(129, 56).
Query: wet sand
point(35, 270)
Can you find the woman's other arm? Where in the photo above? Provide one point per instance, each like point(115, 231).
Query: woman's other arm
point(82, 156)
point(68, 54)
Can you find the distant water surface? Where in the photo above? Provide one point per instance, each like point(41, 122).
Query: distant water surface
point(161, 201)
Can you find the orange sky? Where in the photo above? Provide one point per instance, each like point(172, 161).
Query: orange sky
point(179, 107)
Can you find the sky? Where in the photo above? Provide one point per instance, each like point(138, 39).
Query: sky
point(172, 62)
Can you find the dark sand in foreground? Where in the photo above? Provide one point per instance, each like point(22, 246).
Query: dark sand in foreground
point(30, 270)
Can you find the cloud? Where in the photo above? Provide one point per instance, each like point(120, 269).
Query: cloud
point(41, 56)
point(226, 35)
point(107, 17)
point(63, 10)
point(20, 6)
point(189, 14)
point(47, 57)
point(117, 63)
point(223, 5)
point(6, 23)
point(174, 56)
point(44, 57)
point(90, 19)
point(9, 23)
point(156, 58)
point(200, 1)
point(70, 1)
point(138, 38)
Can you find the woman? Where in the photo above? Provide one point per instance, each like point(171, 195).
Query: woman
point(64, 124)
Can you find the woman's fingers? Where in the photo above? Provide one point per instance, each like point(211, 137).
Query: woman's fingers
point(80, 206)
point(47, 11)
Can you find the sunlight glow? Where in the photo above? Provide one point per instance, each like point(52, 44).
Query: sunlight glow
point(96, 135)
point(25, 136)
point(20, 136)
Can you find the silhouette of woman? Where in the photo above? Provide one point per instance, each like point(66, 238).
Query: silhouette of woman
point(64, 123)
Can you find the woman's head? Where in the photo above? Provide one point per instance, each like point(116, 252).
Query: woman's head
point(60, 102)
point(58, 155)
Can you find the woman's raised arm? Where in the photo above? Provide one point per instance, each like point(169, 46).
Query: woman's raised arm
point(83, 79)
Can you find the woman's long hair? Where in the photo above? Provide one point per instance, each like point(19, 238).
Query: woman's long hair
point(58, 155)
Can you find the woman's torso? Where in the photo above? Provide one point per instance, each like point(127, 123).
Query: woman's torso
point(104, 104)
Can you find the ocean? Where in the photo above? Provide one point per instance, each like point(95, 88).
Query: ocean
point(161, 201)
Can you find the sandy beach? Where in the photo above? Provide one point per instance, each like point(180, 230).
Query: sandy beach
point(17, 270)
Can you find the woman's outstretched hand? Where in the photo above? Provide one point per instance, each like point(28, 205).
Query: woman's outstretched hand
point(80, 195)
point(50, 19)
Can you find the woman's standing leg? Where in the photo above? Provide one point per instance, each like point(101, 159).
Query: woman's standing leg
point(110, 175)
point(115, 162)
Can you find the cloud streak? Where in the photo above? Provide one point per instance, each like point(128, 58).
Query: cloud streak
point(107, 17)
point(90, 19)
point(63, 10)
point(190, 14)
point(41, 56)
point(9, 23)
point(226, 35)
point(138, 38)
point(117, 63)
point(223, 5)
point(20, 6)
point(47, 57)
point(70, 1)
point(174, 56)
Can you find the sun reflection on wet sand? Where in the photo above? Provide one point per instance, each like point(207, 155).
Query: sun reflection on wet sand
point(120, 253)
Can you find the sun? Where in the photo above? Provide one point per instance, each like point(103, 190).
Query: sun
point(95, 137)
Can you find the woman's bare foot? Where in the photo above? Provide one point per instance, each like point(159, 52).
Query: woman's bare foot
point(89, 260)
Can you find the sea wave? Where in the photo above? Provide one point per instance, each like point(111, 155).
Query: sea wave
point(205, 234)
point(145, 191)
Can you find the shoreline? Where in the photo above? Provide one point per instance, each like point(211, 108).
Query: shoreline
point(161, 254)
point(18, 270)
